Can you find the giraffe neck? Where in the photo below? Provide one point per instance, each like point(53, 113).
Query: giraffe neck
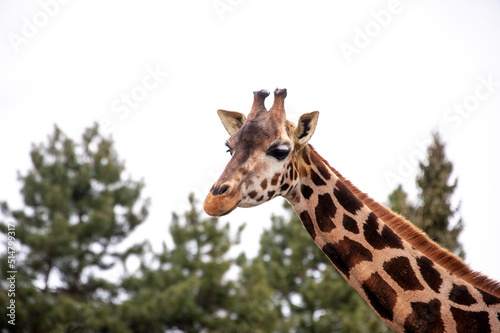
point(392, 268)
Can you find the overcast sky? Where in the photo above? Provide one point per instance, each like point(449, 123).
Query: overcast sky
point(383, 75)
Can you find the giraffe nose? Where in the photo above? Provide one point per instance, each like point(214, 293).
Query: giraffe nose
point(219, 190)
point(222, 199)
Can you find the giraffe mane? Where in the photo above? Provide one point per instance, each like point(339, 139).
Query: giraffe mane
point(418, 239)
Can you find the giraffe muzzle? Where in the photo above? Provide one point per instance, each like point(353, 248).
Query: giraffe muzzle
point(222, 200)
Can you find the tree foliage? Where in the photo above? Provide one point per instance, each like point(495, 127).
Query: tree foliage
point(187, 288)
point(79, 207)
point(184, 288)
point(434, 212)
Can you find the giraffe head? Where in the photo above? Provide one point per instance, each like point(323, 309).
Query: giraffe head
point(264, 149)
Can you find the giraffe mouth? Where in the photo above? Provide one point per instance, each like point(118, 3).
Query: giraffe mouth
point(217, 205)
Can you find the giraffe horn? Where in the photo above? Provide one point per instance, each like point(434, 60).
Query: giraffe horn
point(278, 107)
point(258, 102)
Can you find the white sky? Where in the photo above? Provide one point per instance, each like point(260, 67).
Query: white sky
point(75, 63)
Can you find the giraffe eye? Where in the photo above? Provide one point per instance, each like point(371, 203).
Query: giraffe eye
point(280, 152)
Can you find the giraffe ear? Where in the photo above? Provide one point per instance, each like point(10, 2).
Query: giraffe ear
point(231, 120)
point(307, 125)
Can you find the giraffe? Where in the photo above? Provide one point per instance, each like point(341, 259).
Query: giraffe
point(412, 283)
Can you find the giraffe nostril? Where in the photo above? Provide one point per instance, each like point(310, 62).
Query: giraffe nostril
point(220, 190)
point(223, 189)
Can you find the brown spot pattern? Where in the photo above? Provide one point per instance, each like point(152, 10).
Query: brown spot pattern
point(317, 180)
point(400, 270)
point(323, 170)
point(346, 198)
point(306, 159)
point(425, 318)
point(306, 191)
point(325, 212)
point(284, 187)
point(264, 184)
point(346, 254)
point(350, 224)
point(429, 273)
point(308, 224)
point(274, 180)
point(461, 295)
point(381, 296)
point(387, 238)
point(489, 299)
point(469, 321)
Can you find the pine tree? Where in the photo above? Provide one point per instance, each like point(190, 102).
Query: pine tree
point(77, 208)
point(399, 202)
point(252, 307)
point(185, 288)
point(433, 212)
